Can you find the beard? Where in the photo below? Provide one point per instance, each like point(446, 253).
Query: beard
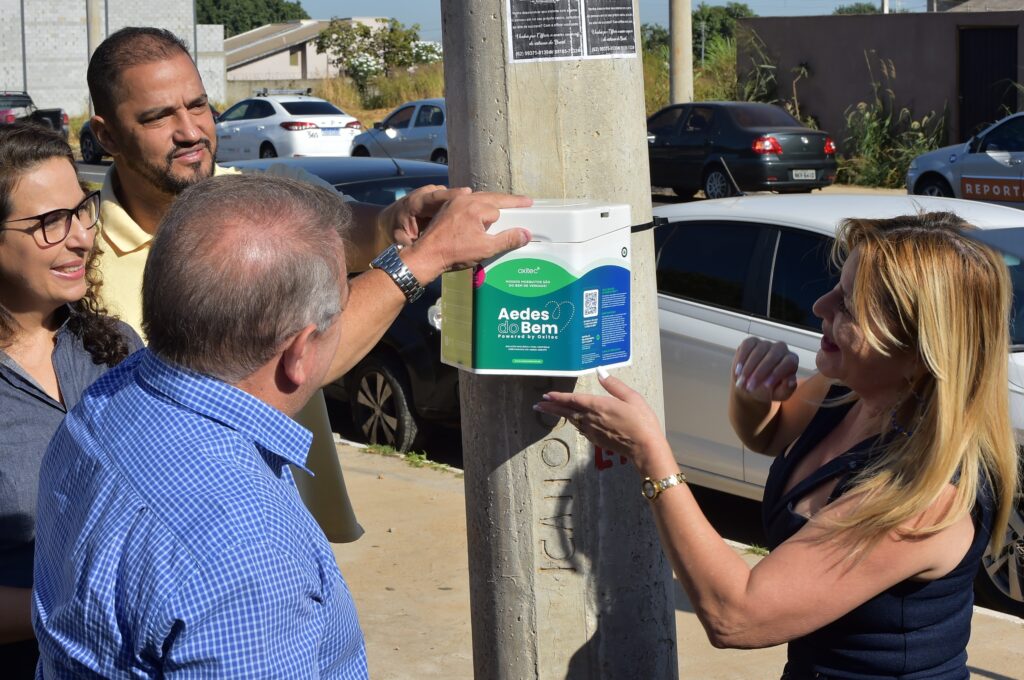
point(161, 174)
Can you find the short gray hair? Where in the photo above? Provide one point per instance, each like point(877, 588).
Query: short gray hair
point(239, 264)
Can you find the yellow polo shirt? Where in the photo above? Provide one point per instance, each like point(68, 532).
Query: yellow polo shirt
point(125, 248)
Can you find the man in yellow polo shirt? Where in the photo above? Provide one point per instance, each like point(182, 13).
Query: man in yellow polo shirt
point(153, 117)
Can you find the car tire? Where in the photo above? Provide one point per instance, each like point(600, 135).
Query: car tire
point(90, 148)
point(381, 403)
point(440, 156)
point(717, 184)
point(360, 151)
point(1002, 571)
point(933, 186)
point(684, 192)
point(267, 150)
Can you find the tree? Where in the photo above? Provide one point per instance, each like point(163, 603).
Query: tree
point(364, 52)
point(653, 37)
point(711, 21)
point(858, 8)
point(239, 16)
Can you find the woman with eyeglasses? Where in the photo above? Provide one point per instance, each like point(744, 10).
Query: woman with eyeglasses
point(55, 340)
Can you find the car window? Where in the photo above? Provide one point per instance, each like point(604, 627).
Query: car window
point(400, 118)
point(260, 109)
point(1007, 137)
point(761, 115)
point(386, 191)
point(706, 261)
point(236, 112)
point(312, 108)
point(699, 120)
point(429, 116)
point(802, 274)
point(664, 122)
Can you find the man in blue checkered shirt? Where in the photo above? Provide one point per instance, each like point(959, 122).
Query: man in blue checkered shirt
point(170, 539)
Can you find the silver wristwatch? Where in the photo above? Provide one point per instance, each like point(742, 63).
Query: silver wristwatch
point(390, 263)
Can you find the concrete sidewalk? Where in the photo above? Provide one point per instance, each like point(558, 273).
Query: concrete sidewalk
point(410, 578)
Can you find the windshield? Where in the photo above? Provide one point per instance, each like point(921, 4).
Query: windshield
point(312, 109)
point(761, 115)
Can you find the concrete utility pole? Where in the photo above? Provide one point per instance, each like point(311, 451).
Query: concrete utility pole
point(680, 26)
point(567, 577)
point(94, 17)
point(885, 6)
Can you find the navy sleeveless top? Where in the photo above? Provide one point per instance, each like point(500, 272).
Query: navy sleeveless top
point(916, 629)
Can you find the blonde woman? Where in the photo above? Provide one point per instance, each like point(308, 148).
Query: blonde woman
point(892, 463)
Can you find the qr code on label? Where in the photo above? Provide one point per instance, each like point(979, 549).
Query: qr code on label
point(590, 298)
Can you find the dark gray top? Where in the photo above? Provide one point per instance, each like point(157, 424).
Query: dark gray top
point(30, 417)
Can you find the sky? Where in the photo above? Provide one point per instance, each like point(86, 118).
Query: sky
point(427, 13)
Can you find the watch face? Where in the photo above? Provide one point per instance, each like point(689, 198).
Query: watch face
point(648, 489)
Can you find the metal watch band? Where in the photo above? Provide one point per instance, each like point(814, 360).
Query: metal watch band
point(651, 489)
point(390, 263)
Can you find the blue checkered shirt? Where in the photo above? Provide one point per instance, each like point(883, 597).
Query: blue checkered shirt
point(171, 541)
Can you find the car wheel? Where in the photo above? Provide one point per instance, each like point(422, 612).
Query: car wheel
point(382, 404)
point(267, 150)
point(717, 184)
point(91, 152)
point(1000, 581)
point(440, 156)
point(684, 192)
point(933, 186)
point(360, 151)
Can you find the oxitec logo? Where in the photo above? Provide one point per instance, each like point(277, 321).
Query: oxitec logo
point(526, 323)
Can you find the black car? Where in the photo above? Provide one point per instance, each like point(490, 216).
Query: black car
point(727, 147)
point(401, 385)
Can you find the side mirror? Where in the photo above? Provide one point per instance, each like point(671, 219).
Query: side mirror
point(378, 125)
point(650, 138)
point(972, 144)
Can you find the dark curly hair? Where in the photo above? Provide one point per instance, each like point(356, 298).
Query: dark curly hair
point(23, 146)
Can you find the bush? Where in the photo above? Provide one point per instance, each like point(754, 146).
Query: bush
point(657, 84)
point(883, 139)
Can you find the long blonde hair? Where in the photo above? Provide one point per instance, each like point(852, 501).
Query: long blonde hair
point(924, 287)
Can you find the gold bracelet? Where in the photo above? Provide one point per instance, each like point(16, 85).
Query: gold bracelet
point(651, 489)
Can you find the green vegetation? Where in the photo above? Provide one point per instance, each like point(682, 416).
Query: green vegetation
point(756, 550)
point(883, 139)
point(413, 458)
point(239, 16)
point(370, 56)
point(858, 8)
point(711, 22)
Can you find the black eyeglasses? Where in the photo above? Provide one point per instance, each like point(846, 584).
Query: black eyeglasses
point(54, 226)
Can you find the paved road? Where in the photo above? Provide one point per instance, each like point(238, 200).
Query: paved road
point(92, 173)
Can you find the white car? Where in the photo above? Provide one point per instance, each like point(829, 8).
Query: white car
point(285, 125)
point(987, 167)
point(754, 265)
point(414, 130)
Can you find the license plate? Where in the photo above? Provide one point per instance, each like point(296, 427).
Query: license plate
point(805, 174)
point(334, 132)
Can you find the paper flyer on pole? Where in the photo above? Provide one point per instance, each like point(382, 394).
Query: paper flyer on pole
point(553, 30)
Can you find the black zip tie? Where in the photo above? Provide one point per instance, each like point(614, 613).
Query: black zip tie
point(656, 222)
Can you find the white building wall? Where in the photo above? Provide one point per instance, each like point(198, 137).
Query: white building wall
point(278, 66)
point(56, 47)
point(210, 61)
point(11, 75)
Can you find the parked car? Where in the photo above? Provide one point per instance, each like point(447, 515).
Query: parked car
point(987, 167)
point(400, 388)
point(414, 130)
point(754, 265)
point(15, 106)
point(270, 125)
point(716, 146)
point(91, 149)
